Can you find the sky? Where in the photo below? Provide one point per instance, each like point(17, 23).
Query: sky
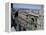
point(29, 6)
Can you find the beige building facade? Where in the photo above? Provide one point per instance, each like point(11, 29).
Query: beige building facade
point(31, 19)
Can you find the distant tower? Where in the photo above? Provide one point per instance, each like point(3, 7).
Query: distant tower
point(11, 5)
